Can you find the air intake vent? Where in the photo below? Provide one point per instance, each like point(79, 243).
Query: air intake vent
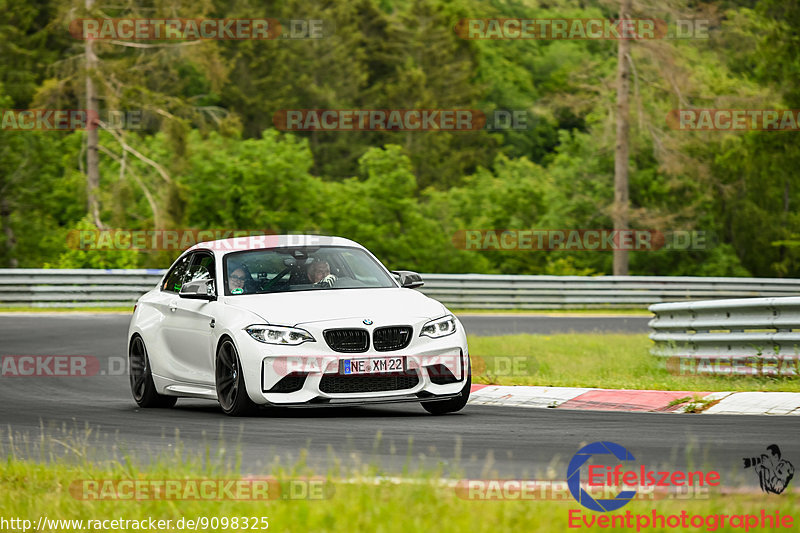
point(291, 383)
point(339, 384)
point(440, 375)
point(347, 340)
point(391, 338)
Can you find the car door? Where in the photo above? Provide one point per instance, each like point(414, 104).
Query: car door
point(160, 343)
point(191, 326)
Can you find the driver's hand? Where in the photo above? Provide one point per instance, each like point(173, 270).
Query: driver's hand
point(327, 281)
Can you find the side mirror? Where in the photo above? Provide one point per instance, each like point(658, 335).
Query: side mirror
point(200, 289)
point(408, 279)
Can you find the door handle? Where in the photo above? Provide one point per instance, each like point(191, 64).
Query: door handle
point(173, 305)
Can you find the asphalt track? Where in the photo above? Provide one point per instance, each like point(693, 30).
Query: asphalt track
point(481, 441)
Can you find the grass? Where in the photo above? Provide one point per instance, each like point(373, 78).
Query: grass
point(598, 360)
point(354, 500)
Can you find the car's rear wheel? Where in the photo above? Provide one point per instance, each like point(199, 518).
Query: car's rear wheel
point(231, 390)
point(442, 407)
point(141, 377)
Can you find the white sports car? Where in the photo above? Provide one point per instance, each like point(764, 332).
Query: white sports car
point(294, 320)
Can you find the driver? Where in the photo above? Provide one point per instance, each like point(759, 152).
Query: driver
point(319, 273)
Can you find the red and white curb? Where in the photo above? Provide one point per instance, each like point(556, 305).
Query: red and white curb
point(739, 403)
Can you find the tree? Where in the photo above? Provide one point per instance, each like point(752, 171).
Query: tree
point(620, 209)
point(92, 111)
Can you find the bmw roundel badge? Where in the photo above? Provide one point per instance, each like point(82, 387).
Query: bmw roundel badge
point(367, 321)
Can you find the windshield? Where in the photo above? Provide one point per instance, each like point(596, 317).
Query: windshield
point(302, 269)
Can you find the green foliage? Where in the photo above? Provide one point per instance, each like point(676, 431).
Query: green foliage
point(208, 156)
point(39, 198)
point(251, 184)
point(74, 257)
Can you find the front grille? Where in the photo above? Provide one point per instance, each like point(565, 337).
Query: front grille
point(291, 383)
point(339, 384)
point(440, 375)
point(347, 340)
point(391, 338)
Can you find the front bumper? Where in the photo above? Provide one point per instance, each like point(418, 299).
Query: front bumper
point(309, 374)
point(372, 401)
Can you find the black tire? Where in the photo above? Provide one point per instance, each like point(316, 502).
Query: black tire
point(231, 390)
point(443, 407)
point(141, 377)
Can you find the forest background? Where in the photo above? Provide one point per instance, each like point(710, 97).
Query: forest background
point(211, 157)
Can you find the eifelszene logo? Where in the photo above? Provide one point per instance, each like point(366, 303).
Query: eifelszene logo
point(614, 477)
point(574, 476)
point(774, 473)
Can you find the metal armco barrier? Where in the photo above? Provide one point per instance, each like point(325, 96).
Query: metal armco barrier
point(737, 336)
point(107, 288)
point(74, 288)
point(489, 291)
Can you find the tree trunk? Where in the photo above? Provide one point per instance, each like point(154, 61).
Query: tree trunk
point(92, 157)
point(11, 239)
point(620, 208)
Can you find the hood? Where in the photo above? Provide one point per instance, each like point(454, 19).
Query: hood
point(293, 308)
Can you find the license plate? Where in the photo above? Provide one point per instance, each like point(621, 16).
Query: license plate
point(373, 365)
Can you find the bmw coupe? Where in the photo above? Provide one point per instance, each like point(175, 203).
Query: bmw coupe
point(296, 321)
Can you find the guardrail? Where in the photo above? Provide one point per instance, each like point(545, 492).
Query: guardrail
point(105, 288)
point(738, 336)
point(487, 291)
point(74, 288)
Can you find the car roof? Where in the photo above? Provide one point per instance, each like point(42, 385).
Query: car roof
point(259, 242)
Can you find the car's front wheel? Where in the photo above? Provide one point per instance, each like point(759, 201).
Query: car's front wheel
point(142, 386)
point(231, 390)
point(442, 407)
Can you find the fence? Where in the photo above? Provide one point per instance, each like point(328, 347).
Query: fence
point(738, 336)
point(485, 291)
point(74, 288)
point(104, 288)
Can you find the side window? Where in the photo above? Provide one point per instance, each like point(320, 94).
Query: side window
point(202, 267)
point(175, 278)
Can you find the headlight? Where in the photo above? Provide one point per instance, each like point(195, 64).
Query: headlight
point(441, 327)
point(279, 335)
